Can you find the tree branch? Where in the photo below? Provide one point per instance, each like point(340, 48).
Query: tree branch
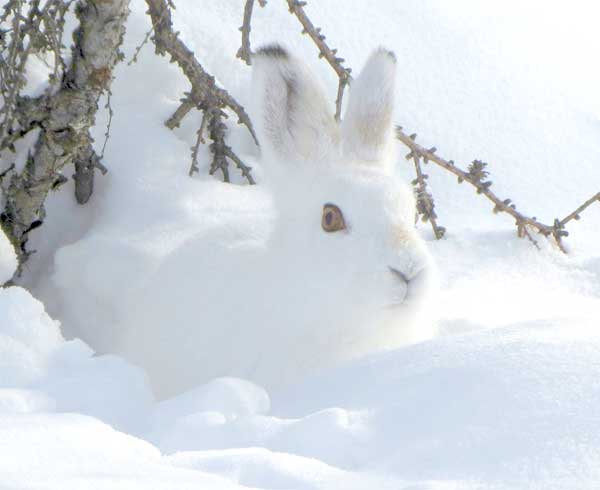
point(296, 7)
point(245, 51)
point(476, 177)
point(205, 95)
point(425, 203)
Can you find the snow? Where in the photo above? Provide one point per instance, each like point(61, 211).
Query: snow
point(8, 258)
point(504, 395)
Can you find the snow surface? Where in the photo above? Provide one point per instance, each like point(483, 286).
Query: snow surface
point(505, 396)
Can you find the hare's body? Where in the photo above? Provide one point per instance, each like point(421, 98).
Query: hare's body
point(302, 289)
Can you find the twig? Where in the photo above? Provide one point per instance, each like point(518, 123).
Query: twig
point(425, 203)
point(221, 151)
point(216, 130)
point(3, 174)
point(187, 104)
point(245, 51)
point(199, 140)
point(111, 113)
point(576, 214)
point(245, 169)
point(296, 7)
point(139, 47)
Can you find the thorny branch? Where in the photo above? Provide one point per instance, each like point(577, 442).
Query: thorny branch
point(425, 203)
point(296, 8)
point(245, 51)
point(476, 174)
point(205, 95)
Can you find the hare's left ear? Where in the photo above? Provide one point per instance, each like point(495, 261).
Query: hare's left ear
point(367, 123)
point(291, 113)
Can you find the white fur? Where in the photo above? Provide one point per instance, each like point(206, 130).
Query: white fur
point(272, 299)
point(292, 116)
point(367, 124)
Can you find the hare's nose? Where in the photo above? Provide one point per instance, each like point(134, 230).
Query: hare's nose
point(414, 285)
point(399, 274)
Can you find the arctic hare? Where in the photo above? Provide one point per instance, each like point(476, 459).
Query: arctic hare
point(335, 270)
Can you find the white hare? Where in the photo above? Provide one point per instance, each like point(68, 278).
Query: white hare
point(341, 271)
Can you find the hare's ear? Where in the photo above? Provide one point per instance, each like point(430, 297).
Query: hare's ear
point(367, 123)
point(291, 113)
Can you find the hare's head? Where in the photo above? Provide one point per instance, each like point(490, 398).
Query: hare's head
point(346, 221)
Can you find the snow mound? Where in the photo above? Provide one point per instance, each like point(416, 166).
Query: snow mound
point(57, 451)
point(228, 396)
point(39, 370)
point(28, 338)
point(507, 406)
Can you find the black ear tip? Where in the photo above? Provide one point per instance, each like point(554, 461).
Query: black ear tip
point(273, 51)
point(388, 53)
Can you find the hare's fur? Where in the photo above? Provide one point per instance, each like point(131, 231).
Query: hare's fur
point(296, 299)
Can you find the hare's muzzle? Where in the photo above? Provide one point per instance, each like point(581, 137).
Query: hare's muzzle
point(416, 285)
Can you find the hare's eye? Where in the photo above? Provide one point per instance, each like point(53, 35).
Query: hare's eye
point(333, 219)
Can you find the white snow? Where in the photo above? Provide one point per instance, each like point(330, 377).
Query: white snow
point(504, 396)
point(8, 259)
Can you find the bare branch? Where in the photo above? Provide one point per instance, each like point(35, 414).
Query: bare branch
point(205, 95)
point(245, 169)
point(111, 113)
point(575, 215)
point(199, 140)
point(476, 177)
point(221, 151)
point(245, 51)
point(425, 203)
point(296, 7)
point(187, 104)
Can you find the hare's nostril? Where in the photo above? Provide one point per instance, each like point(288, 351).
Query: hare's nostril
point(399, 274)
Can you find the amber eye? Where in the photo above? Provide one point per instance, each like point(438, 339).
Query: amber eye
point(333, 219)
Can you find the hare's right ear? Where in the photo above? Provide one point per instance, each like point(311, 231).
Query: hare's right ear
point(367, 124)
point(291, 113)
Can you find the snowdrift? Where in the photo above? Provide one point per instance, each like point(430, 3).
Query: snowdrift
point(503, 408)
